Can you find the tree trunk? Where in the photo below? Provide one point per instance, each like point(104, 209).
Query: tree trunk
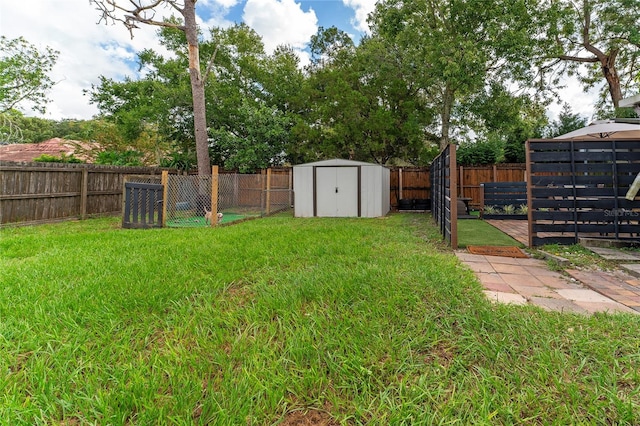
point(445, 115)
point(197, 89)
point(610, 73)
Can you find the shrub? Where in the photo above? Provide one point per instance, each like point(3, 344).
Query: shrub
point(509, 209)
point(63, 158)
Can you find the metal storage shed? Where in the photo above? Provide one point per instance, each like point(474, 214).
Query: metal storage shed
point(341, 188)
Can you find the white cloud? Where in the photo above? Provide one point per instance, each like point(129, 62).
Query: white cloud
point(362, 10)
point(281, 22)
point(581, 102)
point(87, 50)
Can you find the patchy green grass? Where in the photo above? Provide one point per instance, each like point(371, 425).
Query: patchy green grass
point(579, 256)
point(369, 320)
point(474, 232)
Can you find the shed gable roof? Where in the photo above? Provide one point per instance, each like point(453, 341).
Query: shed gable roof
point(336, 162)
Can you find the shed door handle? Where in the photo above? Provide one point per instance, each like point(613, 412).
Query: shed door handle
point(336, 189)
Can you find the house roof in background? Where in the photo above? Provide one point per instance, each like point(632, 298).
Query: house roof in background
point(28, 151)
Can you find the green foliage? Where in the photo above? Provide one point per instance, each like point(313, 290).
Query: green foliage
point(509, 209)
point(498, 115)
point(120, 158)
point(567, 122)
point(360, 103)
point(461, 47)
point(491, 210)
point(24, 74)
point(479, 153)
point(597, 41)
point(62, 158)
point(15, 127)
point(183, 161)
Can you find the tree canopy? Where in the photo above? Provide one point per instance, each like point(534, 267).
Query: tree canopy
point(24, 74)
point(595, 40)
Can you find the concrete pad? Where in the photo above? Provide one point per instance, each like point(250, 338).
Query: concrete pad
point(557, 305)
point(529, 291)
point(631, 268)
point(542, 270)
point(480, 267)
point(504, 268)
point(523, 279)
point(609, 307)
point(490, 278)
point(613, 254)
point(504, 288)
point(583, 295)
point(509, 298)
point(559, 282)
point(468, 257)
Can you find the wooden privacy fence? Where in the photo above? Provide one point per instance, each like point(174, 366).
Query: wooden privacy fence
point(471, 177)
point(444, 202)
point(577, 188)
point(409, 183)
point(32, 193)
point(415, 183)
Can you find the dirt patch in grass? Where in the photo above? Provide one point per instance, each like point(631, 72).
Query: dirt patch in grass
point(308, 418)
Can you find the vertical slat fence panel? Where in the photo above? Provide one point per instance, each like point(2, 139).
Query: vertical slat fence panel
point(444, 199)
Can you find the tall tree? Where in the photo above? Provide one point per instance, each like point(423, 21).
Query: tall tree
point(360, 102)
point(567, 121)
point(248, 104)
point(24, 73)
point(143, 12)
point(459, 46)
point(603, 34)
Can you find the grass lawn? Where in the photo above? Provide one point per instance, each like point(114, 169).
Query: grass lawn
point(476, 232)
point(287, 321)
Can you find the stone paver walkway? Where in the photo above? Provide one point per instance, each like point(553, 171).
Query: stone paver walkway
point(523, 281)
point(529, 281)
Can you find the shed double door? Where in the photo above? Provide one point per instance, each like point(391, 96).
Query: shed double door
point(337, 191)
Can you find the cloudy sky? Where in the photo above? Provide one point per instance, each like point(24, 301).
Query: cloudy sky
point(88, 49)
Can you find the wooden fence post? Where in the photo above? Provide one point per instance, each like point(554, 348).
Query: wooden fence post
point(268, 191)
point(83, 192)
point(214, 195)
point(165, 196)
point(400, 197)
point(290, 173)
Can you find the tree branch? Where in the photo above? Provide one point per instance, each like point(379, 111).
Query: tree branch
point(136, 14)
point(578, 59)
point(210, 64)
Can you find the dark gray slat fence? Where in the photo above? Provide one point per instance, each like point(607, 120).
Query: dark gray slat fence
point(576, 188)
point(501, 194)
point(444, 197)
point(32, 193)
point(143, 205)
